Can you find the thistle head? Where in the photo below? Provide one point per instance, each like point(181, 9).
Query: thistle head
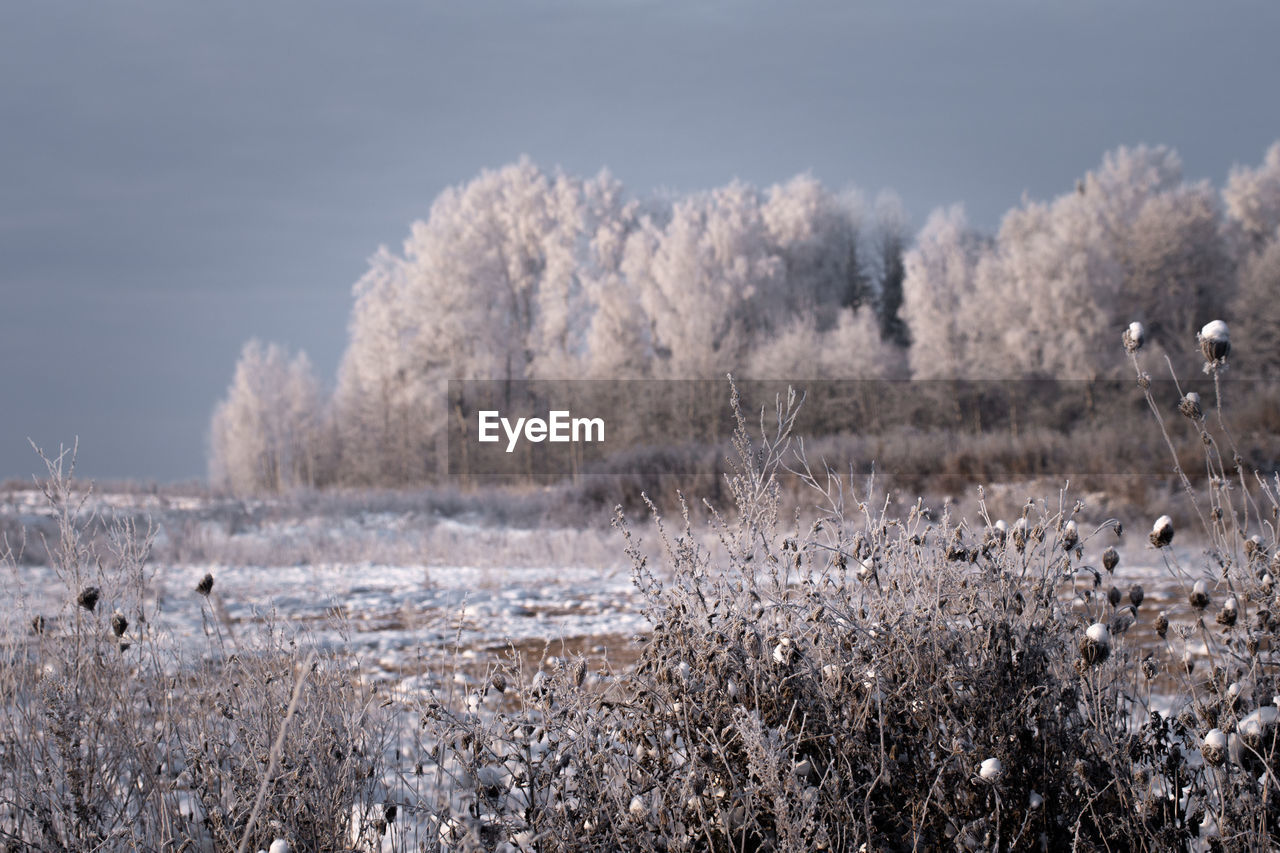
point(1214, 747)
point(1199, 596)
point(88, 598)
point(1162, 531)
point(1070, 536)
point(1096, 645)
point(1162, 624)
point(1229, 613)
point(1134, 337)
point(1215, 344)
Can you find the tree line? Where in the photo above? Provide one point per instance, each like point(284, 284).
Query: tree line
point(527, 274)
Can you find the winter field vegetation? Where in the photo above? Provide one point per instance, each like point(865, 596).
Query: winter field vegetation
point(820, 675)
point(335, 647)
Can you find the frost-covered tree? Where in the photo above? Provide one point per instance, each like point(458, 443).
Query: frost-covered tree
point(817, 235)
point(1039, 306)
point(937, 287)
point(708, 281)
point(310, 445)
point(1048, 295)
point(495, 284)
point(1252, 197)
point(383, 396)
point(268, 433)
point(476, 266)
point(1255, 313)
point(1178, 270)
point(616, 343)
point(722, 272)
point(1252, 200)
point(1127, 179)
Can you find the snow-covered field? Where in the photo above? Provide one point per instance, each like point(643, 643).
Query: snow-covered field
point(428, 586)
point(461, 586)
point(391, 615)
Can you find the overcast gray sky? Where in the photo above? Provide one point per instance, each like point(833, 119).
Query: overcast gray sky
point(176, 178)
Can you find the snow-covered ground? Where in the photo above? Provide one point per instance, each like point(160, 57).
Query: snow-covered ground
point(399, 588)
point(392, 615)
point(459, 585)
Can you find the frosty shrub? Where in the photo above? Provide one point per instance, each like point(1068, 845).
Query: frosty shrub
point(327, 761)
point(116, 736)
point(852, 681)
point(80, 768)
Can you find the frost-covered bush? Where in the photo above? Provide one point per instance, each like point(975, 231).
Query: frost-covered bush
point(116, 736)
point(329, 760)
point(865, 682)
point(80, 768)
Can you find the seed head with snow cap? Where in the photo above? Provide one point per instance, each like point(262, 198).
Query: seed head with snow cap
point(1070, 536)
point(1214, 747)
point(1134, 337)
point(1162, 624)
point(1199, 595)
point(1229, 613)
point(1215, 343)
point(1189, 405)
point(1162, 531)
point(1096, 645)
